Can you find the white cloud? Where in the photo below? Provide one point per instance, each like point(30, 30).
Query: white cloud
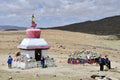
point(79, 10)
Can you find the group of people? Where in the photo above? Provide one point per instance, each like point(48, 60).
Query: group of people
point(10, 59)
point(104, 61)
point(100, 60)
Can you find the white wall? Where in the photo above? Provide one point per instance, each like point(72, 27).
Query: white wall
point(45, 53)
point(29, 53)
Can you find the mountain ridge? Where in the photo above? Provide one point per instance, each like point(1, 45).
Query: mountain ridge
point(105, 26)
point(10, 27)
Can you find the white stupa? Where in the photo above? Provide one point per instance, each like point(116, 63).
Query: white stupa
point(32, 48)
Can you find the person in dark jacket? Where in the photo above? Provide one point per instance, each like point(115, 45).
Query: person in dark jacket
point(9, 61)
point(43, 62)
point(101, 63)
point(107, 62)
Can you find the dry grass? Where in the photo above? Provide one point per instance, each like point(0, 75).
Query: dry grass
point(71, 41)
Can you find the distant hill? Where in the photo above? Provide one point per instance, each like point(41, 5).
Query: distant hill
point(8, 27)
point(106, 26)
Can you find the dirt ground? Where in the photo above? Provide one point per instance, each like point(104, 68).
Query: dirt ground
point(71, 42)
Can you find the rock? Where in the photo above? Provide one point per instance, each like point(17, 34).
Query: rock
point(112, 78)
point(107, 78)
point(54, 75)
point(10, 78)
point(98, 78)
point(37, 75)
point(61, 53)
point(17, 72)
point(3, 64)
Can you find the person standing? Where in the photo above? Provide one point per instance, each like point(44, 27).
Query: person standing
point(9, 61)
point(101, 63)
point(107, 62)
point(43, 62)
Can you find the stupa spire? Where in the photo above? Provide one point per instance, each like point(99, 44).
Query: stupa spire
point(33, 24)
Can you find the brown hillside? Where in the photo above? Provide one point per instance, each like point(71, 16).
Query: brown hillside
point(106, 26)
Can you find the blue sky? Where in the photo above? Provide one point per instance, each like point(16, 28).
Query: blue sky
point(50, 13)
